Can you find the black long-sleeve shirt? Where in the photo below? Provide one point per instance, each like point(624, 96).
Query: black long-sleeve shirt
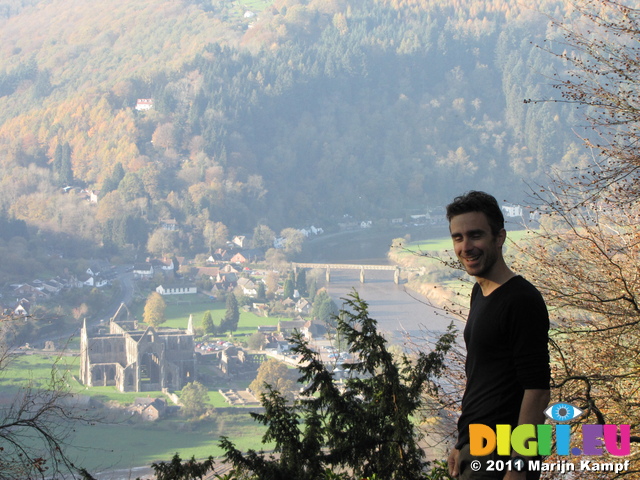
point(507, 353)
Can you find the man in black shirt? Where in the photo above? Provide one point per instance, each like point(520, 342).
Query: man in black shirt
point(506, 337)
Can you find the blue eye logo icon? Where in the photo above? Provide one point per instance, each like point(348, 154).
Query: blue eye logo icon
point(562, 412)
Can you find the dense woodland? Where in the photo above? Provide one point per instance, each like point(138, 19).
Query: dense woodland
point(300, 114)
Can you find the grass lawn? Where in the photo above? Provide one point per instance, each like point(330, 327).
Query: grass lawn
point(35, 369)
point(102, 446)
point(179, 308)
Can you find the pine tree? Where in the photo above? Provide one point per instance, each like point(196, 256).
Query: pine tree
point(207, 323)
point(288, 288)
point(262, 292)
point(301, 282)
point(232, 315)
point(365, 428)
point(66, 171)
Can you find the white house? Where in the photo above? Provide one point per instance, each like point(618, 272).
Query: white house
point(176, 290)
point(249, 288)
point(512, 210)
point(144, 104)
point(534, 216)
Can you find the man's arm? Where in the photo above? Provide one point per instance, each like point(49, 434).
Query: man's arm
point(532, 409)
point(452, 462)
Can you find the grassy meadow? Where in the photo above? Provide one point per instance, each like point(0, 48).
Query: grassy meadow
point(113, 439)
point(178, 311)
point(120, 444)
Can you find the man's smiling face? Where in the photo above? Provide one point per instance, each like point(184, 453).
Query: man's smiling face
point(477, 248)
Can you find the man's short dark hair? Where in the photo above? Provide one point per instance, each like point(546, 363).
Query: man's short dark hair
point(475, 201)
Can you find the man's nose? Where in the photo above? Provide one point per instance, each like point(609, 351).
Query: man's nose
point(466, 245)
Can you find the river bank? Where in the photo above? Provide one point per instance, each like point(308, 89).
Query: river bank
point(368, 246)
point(412, 307)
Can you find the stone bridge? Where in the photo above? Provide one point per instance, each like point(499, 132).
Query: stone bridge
point(341, 266)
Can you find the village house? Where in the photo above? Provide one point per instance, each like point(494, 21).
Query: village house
point(314, 330)
point(208, 272)
point(97, 281)
point(241, 241)
point(287, 327)
point(143, 270)
point(170, 224)
point(150, 409)
point(238, 258)
point(167, 266)
point(267, 329)
point(230, 268)
point(144, 104)
point(52, 286)
point(176, 289)
point(253, 255)
point(227, 280)
point(249, 288)
point(438, 215)
point(29, 292)
point(288, 303)
point(220, 255)
point(22, 308)
point(303, 306)
point(512, 211)
point(534, 216)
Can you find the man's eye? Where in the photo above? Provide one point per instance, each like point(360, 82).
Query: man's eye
point(562, 412)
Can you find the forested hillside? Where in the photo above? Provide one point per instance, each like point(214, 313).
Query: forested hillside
point(279, 114)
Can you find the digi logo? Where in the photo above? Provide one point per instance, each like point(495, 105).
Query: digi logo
point(562, 412)
point(529, 440)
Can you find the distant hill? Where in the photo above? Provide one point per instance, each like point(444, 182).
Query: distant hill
point(278, 114)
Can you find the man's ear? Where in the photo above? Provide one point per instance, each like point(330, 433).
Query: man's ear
point(501, 237)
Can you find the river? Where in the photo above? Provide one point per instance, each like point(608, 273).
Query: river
point(402, 314)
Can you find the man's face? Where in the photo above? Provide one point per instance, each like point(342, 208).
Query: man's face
point(475, 246)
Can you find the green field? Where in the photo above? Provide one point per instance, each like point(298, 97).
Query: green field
point(113, 440)
point(439, 245)
point(178, 311)
point(34, 369)
point(105, 446)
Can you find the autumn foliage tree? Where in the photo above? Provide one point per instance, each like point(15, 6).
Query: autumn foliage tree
point(585, 256)
point(154, 310)
point(276, 374)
